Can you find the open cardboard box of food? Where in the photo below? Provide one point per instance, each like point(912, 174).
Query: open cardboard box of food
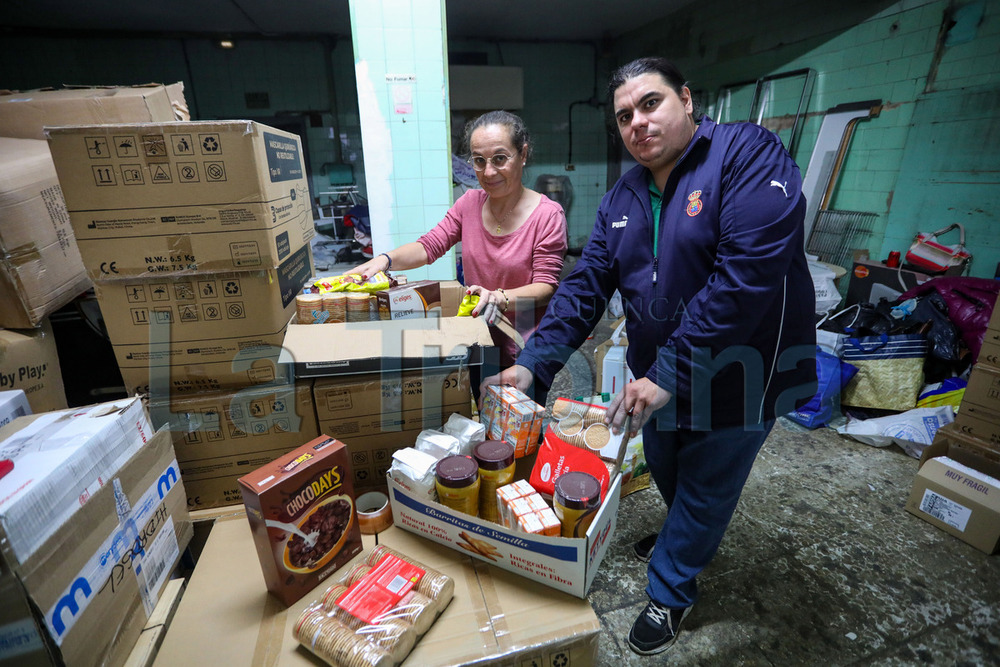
point(318, 350)
point(568, 564)
point(227, 617)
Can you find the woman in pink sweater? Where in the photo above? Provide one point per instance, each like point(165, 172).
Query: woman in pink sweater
point(513, 238)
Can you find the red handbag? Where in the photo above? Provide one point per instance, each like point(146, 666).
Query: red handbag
point(927, 255)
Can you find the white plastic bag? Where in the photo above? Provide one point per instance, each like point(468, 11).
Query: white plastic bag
point(827, 295)
point(912, 430)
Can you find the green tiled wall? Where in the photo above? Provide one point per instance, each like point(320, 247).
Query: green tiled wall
point(926, 160)
point(400, 66)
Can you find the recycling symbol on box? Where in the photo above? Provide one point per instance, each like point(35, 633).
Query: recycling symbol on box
point(210, 144)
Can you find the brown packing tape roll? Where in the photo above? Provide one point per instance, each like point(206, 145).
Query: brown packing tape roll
point(374, 512)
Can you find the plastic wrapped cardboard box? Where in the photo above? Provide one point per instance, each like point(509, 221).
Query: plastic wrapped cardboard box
point(25, 114)
point(221, 436)
point(29, 361)
point(40, 265)
point(183, 197)
point(60, 460)
point(226, 616)
point(13, 404)
point(204, 332)
point(93, 583)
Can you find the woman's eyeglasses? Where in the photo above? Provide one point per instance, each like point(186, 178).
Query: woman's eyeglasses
point(499, 161)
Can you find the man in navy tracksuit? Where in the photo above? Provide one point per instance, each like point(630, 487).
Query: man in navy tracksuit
point(704, 239)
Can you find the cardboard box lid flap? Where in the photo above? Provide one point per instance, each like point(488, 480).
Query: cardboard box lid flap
point(440, 337)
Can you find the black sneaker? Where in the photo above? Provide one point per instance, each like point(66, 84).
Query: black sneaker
point(656, 628)
point(643, 549)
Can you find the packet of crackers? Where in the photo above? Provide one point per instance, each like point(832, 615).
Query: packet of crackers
point(511, 416)
point(352, 282)
point(377, 613)
point(582, 425)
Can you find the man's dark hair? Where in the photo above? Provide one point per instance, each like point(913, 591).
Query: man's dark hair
point(648, 65)
point(518, 132)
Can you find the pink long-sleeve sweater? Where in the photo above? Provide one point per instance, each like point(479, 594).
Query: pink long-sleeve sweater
point(532, 253)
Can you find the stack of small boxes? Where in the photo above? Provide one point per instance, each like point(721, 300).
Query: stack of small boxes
point(522, 508)
point(510, 415)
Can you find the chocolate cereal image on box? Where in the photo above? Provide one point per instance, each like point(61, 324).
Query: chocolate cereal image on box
point(302, 513)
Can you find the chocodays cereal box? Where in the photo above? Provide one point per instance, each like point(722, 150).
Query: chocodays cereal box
point(303, 517)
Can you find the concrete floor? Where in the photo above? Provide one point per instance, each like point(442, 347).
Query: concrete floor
point(821, 565)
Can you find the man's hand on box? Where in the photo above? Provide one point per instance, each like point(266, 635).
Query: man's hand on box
point(638, 400)
point(515, 376)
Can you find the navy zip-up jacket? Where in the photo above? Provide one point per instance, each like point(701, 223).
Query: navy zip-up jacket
point(722, 316)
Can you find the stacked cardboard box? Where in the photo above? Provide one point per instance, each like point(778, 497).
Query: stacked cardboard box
point(958, 485)
point(40, 266)
point(221, 436)
point(378, 413)
point(92, 523)
point(378, 384)
point(196, 235)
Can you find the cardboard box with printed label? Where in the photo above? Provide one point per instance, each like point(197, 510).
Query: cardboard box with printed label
point(40, 265)
point(203, 332)
point(29, 361)
point(95, 581)
point(980, 423)
point(25, 114)
point(226, 611)
point(221, 436)
point(989, 352)
point(957, 490)
point(983, 388)
point(183, 197)
point(568, 564)
point(348, 406)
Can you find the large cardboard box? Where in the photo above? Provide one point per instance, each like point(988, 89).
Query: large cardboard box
point(183, 197)
point(40, 265)
point(957, 490)
point(29, 360)
point(567, 564)
point(204, 332)
point(221, 436)
point(312, 351)
point(25, 114)
point(226, 616)
point(871, 281)
point(60, 460)
point(983, 388)
point(96, 580)
point(374, 403)
point(989, 353)
point(980, 423)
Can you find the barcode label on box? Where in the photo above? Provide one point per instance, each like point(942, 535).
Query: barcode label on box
point(945, 510)
point(155, 567)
